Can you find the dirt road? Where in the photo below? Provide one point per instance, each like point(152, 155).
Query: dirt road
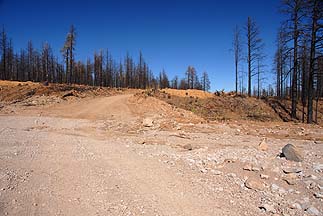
point(95, 157)
point(96, 109)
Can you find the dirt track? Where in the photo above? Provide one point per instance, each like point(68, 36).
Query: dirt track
point(97, 109)
point(94, 157)
point(66, 172)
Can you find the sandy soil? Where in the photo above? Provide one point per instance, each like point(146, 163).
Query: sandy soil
point(132, 155)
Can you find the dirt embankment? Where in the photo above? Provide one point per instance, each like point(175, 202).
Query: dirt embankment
point(283, 107)
point(219, 107)
point(15, 92)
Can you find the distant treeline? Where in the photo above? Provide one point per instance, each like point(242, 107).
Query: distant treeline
point(42, 65)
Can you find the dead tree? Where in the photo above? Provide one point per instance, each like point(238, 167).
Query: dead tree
point(295, 8)
point(205, 81)
point(237, 48)
point(4, 46)
point(68, 53)
point(254, 44)
point(316, 27)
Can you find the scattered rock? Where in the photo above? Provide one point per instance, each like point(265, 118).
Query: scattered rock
point(318, 195)
point(232, 175)
point(69, 94)
point(274, 187)
point(290, 178)
point(281, 191)
point(188, 147)
point(310, 184)
point(318, 167)
point(263, 176)
point(290, 152)
point(288, 170)
point(220, 189)
point(320, 187)
point(312, 177)
point(254, 184)
point(305, 205)
point(276, 169)
point(268, 208)
point(296, 206)
point(247, 167)
point(229, 160)
point(216, 172)
point(263, 145)
point(255, 169)
point(142, 142)
point(203, 170)
point(148, 122)
point(313, 211)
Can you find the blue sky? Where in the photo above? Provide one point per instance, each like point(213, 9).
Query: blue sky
point(172, 34)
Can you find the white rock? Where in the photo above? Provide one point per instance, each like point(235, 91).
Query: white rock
point(191, 161)
point(263, 176)
point(220, 189)
point(313, 211)
point(232, 175)
point(318, 167)
point(276, 169)
point(203, 170)
point(216, 172)
point(318, 195)
point(296, 206)
point(312, 177)
point(148, 122)
point(320, 187)
point(310, 184)
point(268, 208)
point(281, 191)
point(274, 187)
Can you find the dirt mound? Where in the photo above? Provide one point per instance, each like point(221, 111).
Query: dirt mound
point(13, 92)
point(223, 107)
point(167, 116)
point(188, 93)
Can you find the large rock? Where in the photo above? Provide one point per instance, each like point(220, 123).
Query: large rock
point(148, 122)
point(268, 208)
point(313, 211)
point(263, 145)
point(254, 184)
point(290, 178)
point(188, 147)
point(290, 152)
point(288, 170)
point(318, 167)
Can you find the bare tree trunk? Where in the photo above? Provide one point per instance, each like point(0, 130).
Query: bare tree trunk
point(295, 67)
point(312, 61)
point(249, 57)
point(258, 79)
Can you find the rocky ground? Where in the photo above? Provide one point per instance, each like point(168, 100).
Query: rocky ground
point(131, 154)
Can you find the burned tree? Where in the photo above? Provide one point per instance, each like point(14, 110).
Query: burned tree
point(237, 49)
point(254, 46)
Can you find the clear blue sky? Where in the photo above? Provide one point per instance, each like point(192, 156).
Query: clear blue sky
point(172, 34)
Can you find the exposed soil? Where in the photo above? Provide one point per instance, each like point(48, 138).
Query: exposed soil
point(219, 107)
point(121, 152)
